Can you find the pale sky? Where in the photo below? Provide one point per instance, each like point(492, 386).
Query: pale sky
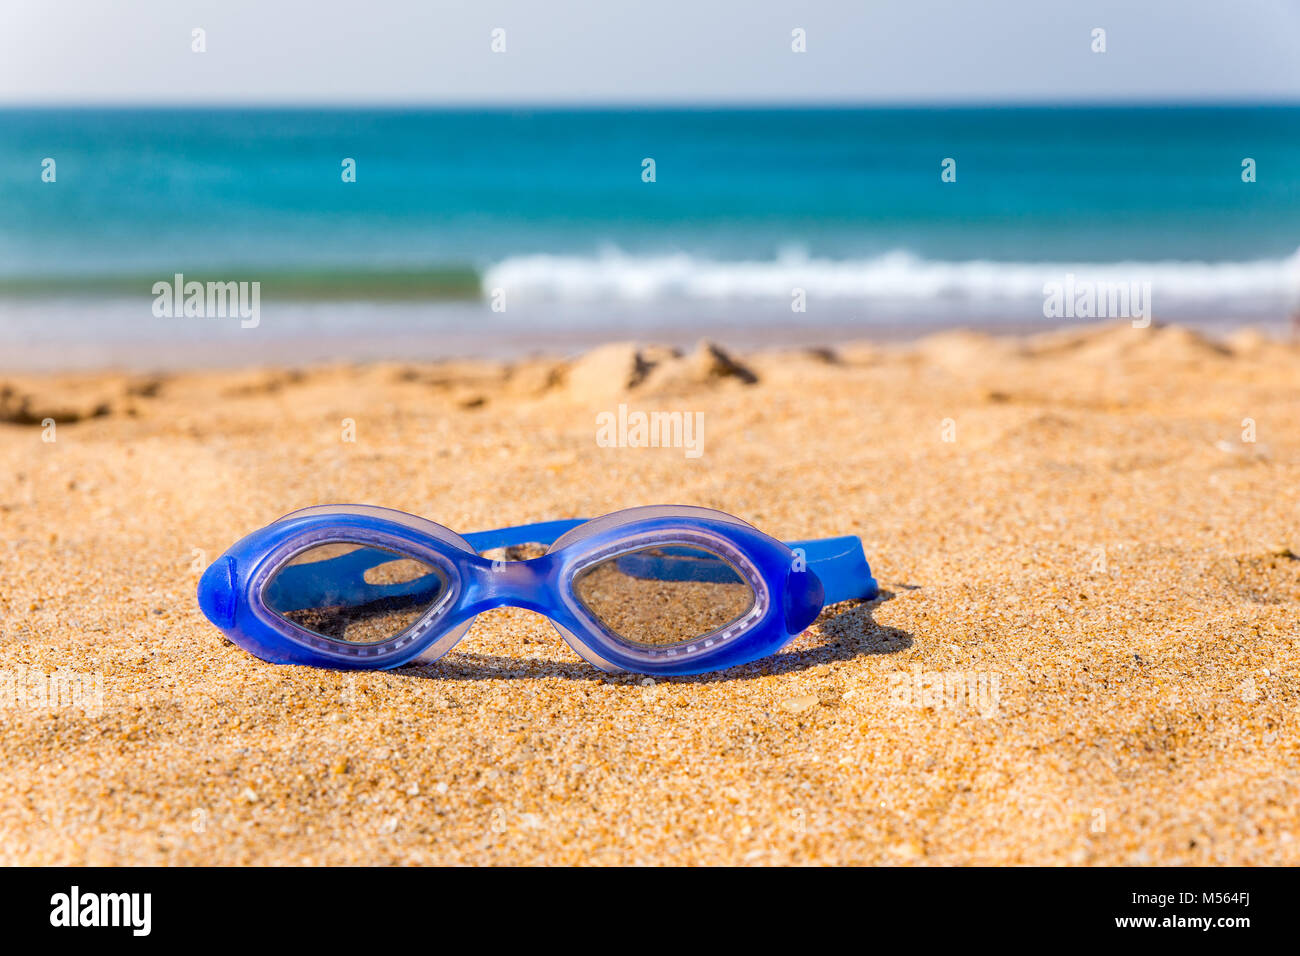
point(668, 51)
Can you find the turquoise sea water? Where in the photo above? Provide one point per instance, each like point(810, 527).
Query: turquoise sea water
point(551, 207)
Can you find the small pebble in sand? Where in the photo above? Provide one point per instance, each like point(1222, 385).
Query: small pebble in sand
point(797, 705)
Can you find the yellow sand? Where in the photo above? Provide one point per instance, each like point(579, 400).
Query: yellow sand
point(646, 610)
point(1089, 651)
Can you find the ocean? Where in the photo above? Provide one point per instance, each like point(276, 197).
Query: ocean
point(482, 230)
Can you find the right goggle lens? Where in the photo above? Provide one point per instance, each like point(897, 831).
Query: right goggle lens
point(664, 595)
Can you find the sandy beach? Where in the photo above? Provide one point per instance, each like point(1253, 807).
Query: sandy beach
point(1086, 652)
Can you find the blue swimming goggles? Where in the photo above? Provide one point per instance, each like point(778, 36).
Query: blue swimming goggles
point(664, 589)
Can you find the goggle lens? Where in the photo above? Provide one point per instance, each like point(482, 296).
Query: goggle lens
point(664, 595)
point(353, 593)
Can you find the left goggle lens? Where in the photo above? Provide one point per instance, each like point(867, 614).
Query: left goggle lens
point(353, 593)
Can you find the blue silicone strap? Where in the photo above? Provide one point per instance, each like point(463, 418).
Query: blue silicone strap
point(841, 565)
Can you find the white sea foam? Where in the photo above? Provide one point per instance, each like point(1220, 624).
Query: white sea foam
point(895, 277)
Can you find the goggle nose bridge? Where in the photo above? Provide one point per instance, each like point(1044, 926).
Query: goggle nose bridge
point(498, 582)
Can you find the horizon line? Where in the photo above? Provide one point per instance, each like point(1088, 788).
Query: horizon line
point(647, 105)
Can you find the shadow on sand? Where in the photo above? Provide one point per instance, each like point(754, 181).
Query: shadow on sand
point(847, 630)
